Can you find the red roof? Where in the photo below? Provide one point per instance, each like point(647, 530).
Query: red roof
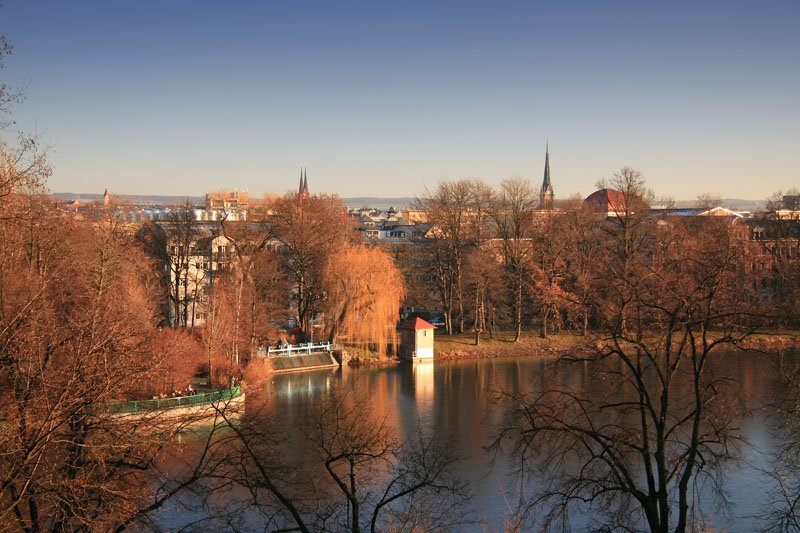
point(416, 324)
point(605, 201)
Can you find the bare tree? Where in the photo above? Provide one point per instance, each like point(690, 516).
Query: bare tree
point(549, 267)
point(776, 246)
point(483, 275)
point(23, 158)
point(708, 201)
point(182, 232)
point(512, 214)
point(457, 212)
point(76, 332)
point(774, 254)
point(247, 243)
point(666, 305)
point(357, 475)
point(783, 511)
point(220, 332)
point(75, 325)
point(630, 231)
point(583, 233)
point(309, 229)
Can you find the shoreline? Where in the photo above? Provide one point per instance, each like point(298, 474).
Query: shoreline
point(461, 347)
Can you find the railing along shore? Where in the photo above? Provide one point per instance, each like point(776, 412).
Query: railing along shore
point(296, 349)
point(138, 406)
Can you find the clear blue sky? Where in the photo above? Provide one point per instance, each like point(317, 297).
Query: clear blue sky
point(386, 98)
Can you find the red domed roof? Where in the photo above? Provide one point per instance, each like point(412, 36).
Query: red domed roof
point(605, 201)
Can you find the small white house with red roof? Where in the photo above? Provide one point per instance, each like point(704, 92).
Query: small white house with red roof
point(416, 339)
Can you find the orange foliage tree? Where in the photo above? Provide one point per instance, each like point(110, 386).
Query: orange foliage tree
point(364, 290)
point(178, 357)
point(76, 330)
point(309, 229)
point(229, 312)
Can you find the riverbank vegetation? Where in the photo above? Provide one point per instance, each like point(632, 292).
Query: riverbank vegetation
point(671, 297)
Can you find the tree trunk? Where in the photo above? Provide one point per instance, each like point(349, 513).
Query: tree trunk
point(477, 321)
point(210, 366)
point(518, 310)
point(459, 295)
point(585, 327)
point(545, 316)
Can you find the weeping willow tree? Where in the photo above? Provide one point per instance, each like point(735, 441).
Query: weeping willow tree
point(363, 290)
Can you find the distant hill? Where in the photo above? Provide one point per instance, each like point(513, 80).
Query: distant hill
point(373, 201)
point(744, 205)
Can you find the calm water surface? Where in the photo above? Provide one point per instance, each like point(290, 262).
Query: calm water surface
point(458, 399)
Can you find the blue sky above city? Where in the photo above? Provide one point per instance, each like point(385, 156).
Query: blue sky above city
point(388, 98)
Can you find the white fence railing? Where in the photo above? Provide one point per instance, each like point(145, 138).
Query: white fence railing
point(294, 349)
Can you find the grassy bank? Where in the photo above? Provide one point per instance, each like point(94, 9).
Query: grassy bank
point(773, 340)
point(462, 346)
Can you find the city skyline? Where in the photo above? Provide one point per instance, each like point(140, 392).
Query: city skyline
point(386, 100)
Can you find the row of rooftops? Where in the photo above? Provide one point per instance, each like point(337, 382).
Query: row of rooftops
point(391, 223)
point(373, 220)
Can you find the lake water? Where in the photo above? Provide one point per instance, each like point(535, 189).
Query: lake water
point(459, 399)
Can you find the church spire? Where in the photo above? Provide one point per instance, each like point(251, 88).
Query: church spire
point(303, 192)
point(300, 190)
point(546, 194)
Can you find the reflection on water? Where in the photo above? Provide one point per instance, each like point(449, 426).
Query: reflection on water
point(295, 386)
point(459, 399)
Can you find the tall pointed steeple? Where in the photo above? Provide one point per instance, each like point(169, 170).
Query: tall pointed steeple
point(300, 189)
point(546, 194)
point(303, 183)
